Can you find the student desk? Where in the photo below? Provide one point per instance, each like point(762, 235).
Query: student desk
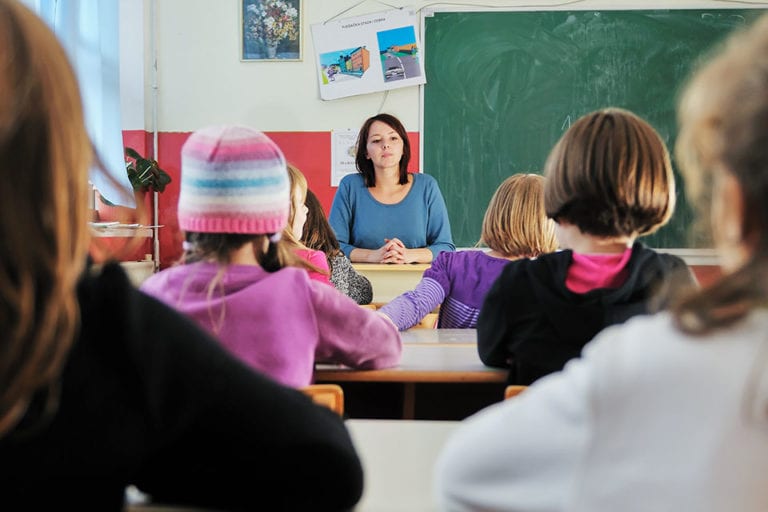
point(466, 337)
point(390, 280)
point(398, 457)
point(443, 357)
point(429, 355)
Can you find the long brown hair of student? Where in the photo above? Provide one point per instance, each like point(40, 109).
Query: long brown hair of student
point(45, 154)
point(317, 233)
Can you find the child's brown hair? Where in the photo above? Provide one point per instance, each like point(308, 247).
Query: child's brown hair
point(610, 175)
point(317, 233)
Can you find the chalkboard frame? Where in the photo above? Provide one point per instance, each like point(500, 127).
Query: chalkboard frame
point(682, 222)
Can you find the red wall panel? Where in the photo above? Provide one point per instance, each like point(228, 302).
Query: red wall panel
point(309, 151)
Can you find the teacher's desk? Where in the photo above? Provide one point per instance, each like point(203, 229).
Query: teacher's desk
point(389, 280)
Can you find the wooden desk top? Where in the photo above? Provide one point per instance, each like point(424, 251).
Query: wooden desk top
point(421, 362)
point(390, 267)
point(440, 336)
point(389, 280)
point(398, 457)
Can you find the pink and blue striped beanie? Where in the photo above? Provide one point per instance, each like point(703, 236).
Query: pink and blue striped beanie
point(233, 180)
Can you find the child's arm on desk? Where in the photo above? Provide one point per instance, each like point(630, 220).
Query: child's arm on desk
point(354, 336)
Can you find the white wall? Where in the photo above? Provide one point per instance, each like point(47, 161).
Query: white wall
point(202, 80)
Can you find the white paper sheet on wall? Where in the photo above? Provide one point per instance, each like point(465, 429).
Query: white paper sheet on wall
point(342, 154)
point(370, 53)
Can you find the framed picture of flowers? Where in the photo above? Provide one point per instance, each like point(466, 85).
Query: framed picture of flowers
point(271, 30)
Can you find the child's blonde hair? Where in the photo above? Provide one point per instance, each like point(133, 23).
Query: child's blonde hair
point(515, 223)
point(298, 183)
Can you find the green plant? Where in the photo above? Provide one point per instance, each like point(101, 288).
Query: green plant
point(144, 173)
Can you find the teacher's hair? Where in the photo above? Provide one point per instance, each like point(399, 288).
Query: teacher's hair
point(610, 175)
point(364, 164)
point(45, 154)
point(723, 118)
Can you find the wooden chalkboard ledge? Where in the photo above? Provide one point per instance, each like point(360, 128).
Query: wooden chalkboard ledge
point(694, 257)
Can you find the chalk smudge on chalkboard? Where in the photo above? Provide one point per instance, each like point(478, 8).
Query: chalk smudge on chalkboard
point(504, 86)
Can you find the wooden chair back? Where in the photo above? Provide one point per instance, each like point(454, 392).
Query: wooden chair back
point(513, 390)
point(328, 395)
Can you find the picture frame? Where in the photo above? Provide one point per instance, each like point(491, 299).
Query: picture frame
point(279, 40)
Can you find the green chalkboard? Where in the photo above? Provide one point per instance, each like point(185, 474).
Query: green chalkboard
point(503, 86)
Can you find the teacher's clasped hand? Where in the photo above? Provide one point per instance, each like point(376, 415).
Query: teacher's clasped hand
point(385, 203)
point(396, 252)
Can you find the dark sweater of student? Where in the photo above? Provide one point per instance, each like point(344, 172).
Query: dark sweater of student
point(533, 324)
point(146, 398)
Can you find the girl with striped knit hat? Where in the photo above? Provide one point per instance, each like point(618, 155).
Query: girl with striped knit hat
point(238, 279)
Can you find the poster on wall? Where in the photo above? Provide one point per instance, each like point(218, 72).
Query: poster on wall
point(370, 53)
point(343, 150)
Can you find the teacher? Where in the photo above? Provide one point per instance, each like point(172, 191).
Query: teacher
point(383, 214)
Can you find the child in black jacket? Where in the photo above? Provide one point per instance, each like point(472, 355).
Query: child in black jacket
point(609, 181)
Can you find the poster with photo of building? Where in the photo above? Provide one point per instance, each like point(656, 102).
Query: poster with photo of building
point(366, 54)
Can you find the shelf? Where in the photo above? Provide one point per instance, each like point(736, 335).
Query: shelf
point(115, 230)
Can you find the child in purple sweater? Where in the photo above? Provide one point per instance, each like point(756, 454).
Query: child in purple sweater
point(237, 280)
point(515, 226)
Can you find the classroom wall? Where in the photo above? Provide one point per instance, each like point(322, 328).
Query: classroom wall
point(201, 80)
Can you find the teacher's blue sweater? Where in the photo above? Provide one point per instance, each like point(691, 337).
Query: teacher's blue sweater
point(419, 220)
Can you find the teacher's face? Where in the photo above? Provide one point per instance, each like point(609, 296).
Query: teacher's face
point(384, 147)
